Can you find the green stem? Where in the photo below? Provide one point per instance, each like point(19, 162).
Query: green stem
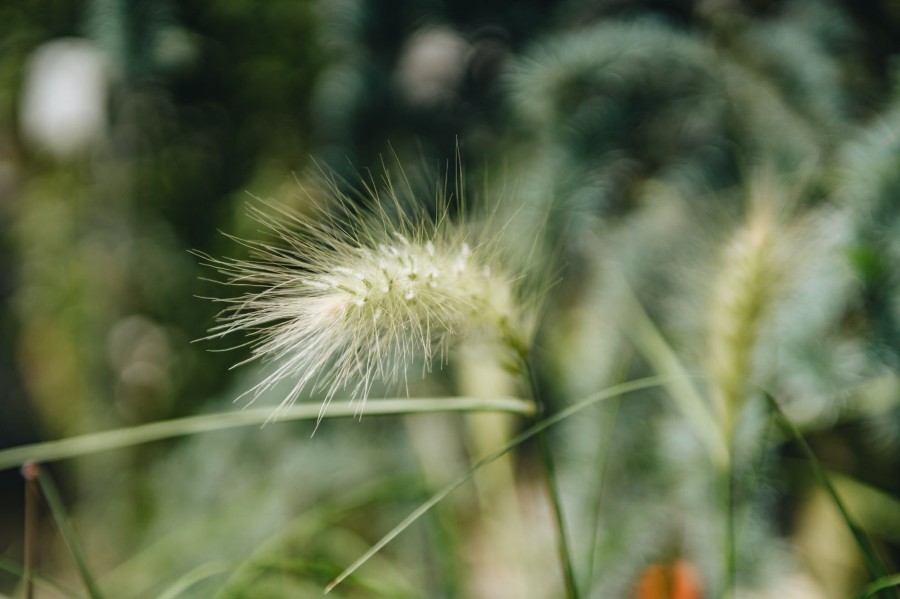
point(198, 574)
point(604, 455)
point(13, 568)
point(532, 431)
point(67, 532)
point(873, 561)
point(550, 477)
point(30, 472)
point(155, 431)
point(728, 492)
point(881, 584)
point(650, 343)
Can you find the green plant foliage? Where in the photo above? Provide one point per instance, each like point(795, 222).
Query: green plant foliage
point(714, 187)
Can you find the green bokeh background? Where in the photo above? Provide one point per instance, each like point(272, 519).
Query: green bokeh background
point(620, 134)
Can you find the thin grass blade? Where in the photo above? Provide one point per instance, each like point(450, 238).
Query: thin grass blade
point(7, 565)
point(91, 443)
point(649, 341)
point(68, 533)
point(873, 561)
point(882, 584)
point(198, 574)
point(541, 426)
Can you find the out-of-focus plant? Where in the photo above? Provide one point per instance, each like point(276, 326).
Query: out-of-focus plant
point(714, 183)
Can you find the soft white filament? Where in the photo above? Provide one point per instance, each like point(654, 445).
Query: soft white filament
point(341, 301)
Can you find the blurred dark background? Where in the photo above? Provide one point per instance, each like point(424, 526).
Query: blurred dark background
point(134, 131)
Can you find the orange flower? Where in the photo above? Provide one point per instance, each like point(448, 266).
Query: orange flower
point(676, 580)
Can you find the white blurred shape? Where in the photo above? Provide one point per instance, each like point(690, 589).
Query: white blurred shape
point(431, 66)
point(64, 97)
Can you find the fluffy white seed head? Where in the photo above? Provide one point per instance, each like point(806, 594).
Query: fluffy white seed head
point(341, 299)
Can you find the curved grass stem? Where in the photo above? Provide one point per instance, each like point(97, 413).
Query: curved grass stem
point(873, 561)
point(882, 584)
point(66, 531)
point(532, 431)
point(11, 567)
point(565, 555)
point(156, 431)
point(730, 555)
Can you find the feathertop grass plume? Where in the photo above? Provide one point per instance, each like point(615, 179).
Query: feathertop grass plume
point(344, 297)
point(752, 267)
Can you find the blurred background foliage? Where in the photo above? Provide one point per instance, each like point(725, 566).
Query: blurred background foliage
point(734, 166)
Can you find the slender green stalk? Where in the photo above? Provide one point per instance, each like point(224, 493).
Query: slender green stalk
point(879, 510)
point(13, 568)
point(649, 342)
point(541, 426)
point(432, 459)
point(565, 555)
point(604, 455)
point(135, 435)
point(198, 574)
point(873, 561)
point(68, 533)
point(881, 584)
point(30, 472)
point(728, 493)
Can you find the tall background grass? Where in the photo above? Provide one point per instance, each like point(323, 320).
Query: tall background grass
point(715, 186)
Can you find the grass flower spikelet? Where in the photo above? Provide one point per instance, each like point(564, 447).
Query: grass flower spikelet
point(338, 301)
point(754, 265)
